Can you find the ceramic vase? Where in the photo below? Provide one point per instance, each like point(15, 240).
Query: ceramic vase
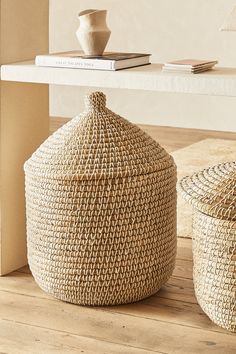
point(93, 33)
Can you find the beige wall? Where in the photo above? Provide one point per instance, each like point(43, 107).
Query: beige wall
point(168, 29)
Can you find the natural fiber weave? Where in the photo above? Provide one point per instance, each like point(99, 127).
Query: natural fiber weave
point(213, 191)
point(101, 210)
point(214, 241)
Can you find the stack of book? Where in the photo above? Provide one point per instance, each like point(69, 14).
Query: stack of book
point(107, 61)
point(190, 66)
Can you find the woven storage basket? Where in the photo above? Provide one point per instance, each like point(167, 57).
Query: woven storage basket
point(101, 210)
point(212, 193)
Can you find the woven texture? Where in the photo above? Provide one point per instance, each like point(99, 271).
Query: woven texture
point(101, 210)
point(212, 191)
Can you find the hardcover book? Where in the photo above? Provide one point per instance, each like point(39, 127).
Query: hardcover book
point(107, 61)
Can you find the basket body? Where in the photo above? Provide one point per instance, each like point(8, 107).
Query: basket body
point(117, 246)
point(214, 256)
point(211, 192)
point(101, 225)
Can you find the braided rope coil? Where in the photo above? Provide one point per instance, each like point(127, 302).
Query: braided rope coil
point(101, 210)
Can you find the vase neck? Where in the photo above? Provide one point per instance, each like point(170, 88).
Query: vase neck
point(93, 17)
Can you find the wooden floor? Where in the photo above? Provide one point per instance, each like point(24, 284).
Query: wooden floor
point(168, 322)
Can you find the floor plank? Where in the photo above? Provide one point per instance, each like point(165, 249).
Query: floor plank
point(104, 325)
point(19, 338)
point(183, 269)
point(179, 309)
point(176, 138)
point(184, 249)
point(178, 289)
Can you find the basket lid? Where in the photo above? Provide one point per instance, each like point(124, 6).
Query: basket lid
point(213, 191)
point(97, 144)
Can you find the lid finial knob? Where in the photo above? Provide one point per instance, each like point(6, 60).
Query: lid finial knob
point(95, 100)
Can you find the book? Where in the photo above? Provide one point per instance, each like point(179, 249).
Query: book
point(191, 71)
point(189, 66)
point(185, 72)
point(107, 61)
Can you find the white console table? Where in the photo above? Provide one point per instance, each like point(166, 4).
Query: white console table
point(25, 107)
point(218, 82)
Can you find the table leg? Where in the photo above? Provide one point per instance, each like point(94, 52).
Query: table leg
point(24, 126)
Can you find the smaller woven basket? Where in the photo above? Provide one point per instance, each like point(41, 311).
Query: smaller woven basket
point(212, 193)
point(101, 210)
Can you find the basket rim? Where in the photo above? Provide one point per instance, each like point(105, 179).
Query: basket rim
point(212, 190)
point(102, 177)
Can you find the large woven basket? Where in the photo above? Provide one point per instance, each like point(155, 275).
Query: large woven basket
point(101, 210)
point(212, 193)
